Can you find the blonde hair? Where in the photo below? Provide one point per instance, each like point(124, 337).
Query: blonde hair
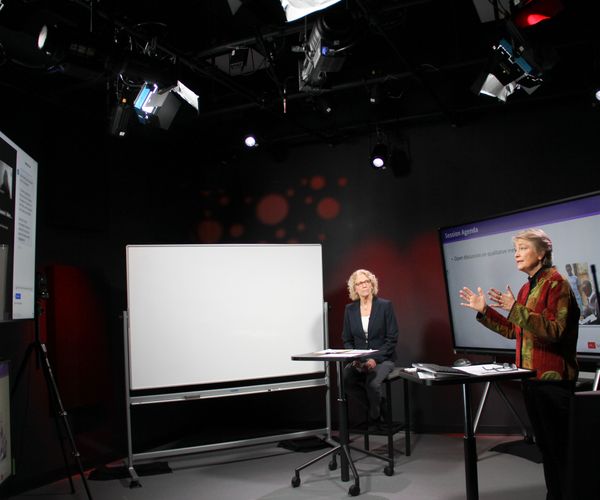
point(541, 242)
point(352, 282)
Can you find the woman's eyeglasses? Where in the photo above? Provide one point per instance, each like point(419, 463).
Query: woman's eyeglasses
point(361, 283)
point(504, 367)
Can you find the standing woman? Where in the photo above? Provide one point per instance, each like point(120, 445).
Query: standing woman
point(544, 320)
point(369, 323)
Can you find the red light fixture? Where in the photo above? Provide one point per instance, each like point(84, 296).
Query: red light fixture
point(536, 11)
point(532, 19)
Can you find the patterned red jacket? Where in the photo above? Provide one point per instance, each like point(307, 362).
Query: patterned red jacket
point(545, 323)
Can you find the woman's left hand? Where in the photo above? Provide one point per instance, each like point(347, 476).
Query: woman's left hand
point(502, 300)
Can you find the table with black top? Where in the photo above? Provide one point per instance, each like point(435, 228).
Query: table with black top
point(470, 445)
point(340, 357)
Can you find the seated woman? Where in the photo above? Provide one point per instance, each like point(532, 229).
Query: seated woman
point(369, 323)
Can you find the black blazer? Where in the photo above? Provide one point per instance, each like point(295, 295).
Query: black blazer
point(383, 329)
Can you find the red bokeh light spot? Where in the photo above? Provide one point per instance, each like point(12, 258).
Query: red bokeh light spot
point(224, 201)
point(301, 226)
point(290, 192)
point(328, 208)
point(308, 200)
point(209, 231)
point(317, 182)
point(236, 230)
point(272, 209)
point(342, 181)
point(280, 233)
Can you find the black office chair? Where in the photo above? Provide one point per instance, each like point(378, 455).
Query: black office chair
point(391, 427)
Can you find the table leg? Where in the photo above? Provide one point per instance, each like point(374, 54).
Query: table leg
point(406, 418)
point(470, 447)
point(343, 416)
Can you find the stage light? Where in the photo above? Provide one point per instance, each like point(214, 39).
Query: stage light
point(400, 161)
point(42, 37)
point(120, 119)
point(514, 65)
point(60, 43)
point(536, 11)
point(238, 58)
point(379, 156)
point(321, 104)
point(156, 106)
point(375, 94)
point(295, 9)
point(250, 141)
point(325, 51)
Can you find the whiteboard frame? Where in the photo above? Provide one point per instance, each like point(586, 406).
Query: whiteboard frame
point(166, 284)
point(166, 395)
point(130, 401)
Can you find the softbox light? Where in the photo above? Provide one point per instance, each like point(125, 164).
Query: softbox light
point(295, 9)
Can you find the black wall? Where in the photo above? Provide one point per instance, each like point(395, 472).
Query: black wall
point(98, 194)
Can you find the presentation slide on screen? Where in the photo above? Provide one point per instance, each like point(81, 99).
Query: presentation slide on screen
point(481, 254)
point(18, 195)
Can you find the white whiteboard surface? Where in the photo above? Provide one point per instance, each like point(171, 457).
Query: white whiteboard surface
point(201, 314)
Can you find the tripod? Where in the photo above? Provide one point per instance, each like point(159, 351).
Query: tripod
point(39, 348)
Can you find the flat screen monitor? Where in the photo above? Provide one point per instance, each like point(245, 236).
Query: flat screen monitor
point(18, 199)
point(481, 254)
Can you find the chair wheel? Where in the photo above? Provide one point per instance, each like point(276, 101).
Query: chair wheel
point(333, 464)
point(354, 490)
point(389, 470)
point(295, 481)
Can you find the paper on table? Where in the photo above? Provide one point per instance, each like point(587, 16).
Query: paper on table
point(488, 369)
point(345, 352)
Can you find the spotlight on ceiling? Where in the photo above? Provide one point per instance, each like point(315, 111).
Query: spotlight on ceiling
point(321, 104)
point(250, 141)
point(61, 43)
point(120, 118)
point(42, 37)
point(379, 156)
point(156, 106)
point(375, 94)
point(515, 64)
point(325, 50)
point(536, 11)
point(400, 161)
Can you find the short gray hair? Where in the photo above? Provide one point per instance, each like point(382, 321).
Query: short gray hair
point(541, 242)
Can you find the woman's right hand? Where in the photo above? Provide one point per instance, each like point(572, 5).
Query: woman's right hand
point(472, 300)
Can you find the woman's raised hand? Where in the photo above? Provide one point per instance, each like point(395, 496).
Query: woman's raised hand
point(472, 300)
point(502, 300)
